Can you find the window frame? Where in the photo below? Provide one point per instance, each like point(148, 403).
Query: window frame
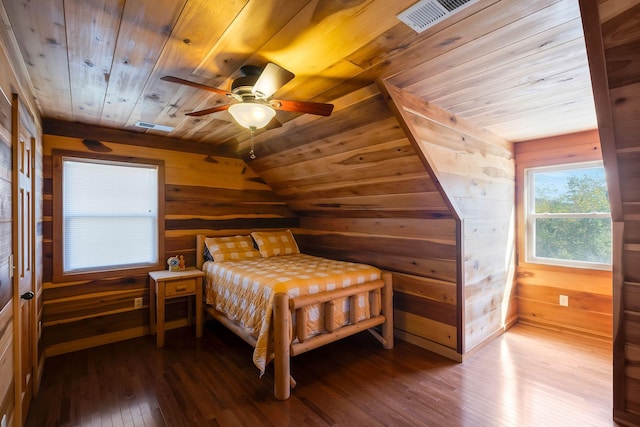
point(530, 217)
point(59, 275)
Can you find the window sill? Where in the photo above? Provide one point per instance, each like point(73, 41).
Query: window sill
point(564, 269)
point(105, 274)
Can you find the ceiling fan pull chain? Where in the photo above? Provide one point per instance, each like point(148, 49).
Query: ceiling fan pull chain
point(252, 155)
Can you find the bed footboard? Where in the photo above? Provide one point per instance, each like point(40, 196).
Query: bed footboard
point(380, 293)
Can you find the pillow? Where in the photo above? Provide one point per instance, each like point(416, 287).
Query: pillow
point(232, 248)
point(275, 243)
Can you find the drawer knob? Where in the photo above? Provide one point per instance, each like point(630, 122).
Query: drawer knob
point(181, 288)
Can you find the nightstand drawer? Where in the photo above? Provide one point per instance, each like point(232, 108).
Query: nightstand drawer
point(180, 287)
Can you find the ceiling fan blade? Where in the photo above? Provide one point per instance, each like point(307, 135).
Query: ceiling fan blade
point(302, 107)
point(208, 111)
point(194, 84)
point(272, 78)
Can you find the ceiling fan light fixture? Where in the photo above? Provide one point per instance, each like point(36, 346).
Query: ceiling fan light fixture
point(252, 115)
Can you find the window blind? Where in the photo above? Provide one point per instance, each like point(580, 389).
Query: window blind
point(110, 214)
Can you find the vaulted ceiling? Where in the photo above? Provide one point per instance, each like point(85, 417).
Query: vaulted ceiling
point(517, 68)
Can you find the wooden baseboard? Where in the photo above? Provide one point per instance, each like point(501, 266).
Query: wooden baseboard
point(508, 324)
point(448, 352)
point(95, 341)
point(626, 418)
point(582, 332)
point(440, 349)
point(98, 340)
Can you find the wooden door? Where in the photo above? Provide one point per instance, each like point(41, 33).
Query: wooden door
point(24, 314)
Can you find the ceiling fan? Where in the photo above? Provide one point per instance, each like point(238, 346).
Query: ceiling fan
point(253, 90)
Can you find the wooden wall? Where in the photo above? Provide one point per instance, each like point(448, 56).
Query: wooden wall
point(13, 80)
point(203, 193)
point(476, 172)
point(539, 286)
point(364, 195)
point(612, 35)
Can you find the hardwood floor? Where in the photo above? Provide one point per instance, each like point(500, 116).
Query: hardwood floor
point(527, 377)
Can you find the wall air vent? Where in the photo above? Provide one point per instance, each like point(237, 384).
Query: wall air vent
point(427, 13)
point(153, 126)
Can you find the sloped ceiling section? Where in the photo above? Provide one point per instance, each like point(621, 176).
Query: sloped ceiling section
point(476, 171)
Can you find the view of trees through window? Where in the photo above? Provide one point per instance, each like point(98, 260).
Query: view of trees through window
point(570, 215)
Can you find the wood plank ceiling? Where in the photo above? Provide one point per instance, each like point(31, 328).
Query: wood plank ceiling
point(516, 68)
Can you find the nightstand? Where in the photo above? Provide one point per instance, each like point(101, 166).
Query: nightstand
point(165, 285)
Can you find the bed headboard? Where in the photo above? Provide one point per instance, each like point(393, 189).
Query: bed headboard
point(200, 239)
point(200, 250)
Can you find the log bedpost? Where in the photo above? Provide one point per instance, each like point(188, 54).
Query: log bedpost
point(387, 310)
point(282, 361)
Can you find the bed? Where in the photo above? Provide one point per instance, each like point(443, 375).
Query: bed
point(285, 303)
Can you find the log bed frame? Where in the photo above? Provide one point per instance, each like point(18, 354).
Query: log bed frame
point(381, 303)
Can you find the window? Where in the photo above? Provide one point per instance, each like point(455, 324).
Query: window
point(109, 214)
point(568, 219)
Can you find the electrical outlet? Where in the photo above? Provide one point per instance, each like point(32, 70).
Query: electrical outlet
point(137, 302)
point(564, 300)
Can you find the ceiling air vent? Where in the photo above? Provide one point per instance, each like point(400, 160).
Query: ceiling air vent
point(427, 13)
point(154, 126)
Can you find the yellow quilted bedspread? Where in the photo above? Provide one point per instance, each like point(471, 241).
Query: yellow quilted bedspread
point(245, 290)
